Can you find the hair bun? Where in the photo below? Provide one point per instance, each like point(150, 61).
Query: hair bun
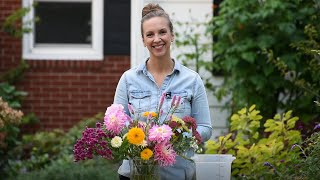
point(151, 8)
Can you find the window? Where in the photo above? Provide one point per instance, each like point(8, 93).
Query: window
point(67, 29)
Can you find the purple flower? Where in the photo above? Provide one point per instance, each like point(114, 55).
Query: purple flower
point(91, 142)
point(267, 164)
point(317, 126)
point(296, 145)
point(293, 146)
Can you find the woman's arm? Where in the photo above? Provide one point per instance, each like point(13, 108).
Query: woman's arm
point(200, 110)
point(121, 95)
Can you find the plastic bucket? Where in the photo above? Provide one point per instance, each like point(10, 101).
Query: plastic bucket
point(213, 166)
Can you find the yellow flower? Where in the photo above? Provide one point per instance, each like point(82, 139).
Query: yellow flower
point(135, 136)
point(153, 114)
point(146, 154)
point(182, 124)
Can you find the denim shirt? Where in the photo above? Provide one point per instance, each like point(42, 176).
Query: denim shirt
point(138, 87)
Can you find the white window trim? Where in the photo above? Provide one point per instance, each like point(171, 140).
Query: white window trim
point(66, 51)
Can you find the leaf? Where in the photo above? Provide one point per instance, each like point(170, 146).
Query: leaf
point(242, 111)
point(235, 117)
point(288, 114)
point(7, 88)
point(265, 41)
point(252, 107)
point(248, 56)
point(292, 122)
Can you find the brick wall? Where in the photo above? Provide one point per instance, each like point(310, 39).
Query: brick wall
point(10, 48)
point(61, 93)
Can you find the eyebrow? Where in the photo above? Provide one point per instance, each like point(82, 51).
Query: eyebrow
point(163, 29)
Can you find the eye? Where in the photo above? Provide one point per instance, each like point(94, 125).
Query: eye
point(163, 32)
point(149, 35)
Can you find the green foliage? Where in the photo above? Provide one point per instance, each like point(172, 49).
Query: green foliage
point(304, 163)
point(12, 24)
point(10, 94)
point(253, 149)
point(310, 166)
point(11, 131)
point(265, 49)
point(94, 169)
point(14, 75)
point(40, 150)
point(191, 39)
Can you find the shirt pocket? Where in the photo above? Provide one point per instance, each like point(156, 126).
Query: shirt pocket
point(185, 102)
point(140, 100)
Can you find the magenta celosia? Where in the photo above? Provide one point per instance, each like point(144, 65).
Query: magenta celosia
point(91, 142)
point(115, 118)
point(164, 154)
point(160, 133)
point(190, 122)
point(197, 136)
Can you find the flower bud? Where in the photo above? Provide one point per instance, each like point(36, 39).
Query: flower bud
point(178, 102)
point(162, 100)
point(131, 110)
point(173, 102)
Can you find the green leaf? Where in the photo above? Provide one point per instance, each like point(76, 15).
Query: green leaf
point(248, 56)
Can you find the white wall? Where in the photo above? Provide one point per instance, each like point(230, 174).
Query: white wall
point(182, 11)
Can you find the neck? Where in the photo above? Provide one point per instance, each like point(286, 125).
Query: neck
point(164, 65)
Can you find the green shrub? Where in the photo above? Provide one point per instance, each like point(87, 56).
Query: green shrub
point(253, 149)
point(95, 169)
point(305, 164)
point(253, 39)
point(39, 150)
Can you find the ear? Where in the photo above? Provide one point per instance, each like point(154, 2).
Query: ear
point(172, 37)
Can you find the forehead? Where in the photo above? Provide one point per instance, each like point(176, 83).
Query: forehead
point(155, 23)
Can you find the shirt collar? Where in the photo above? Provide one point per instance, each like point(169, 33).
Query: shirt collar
point(143, 66)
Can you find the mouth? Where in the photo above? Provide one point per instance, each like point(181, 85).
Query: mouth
point(158, 46)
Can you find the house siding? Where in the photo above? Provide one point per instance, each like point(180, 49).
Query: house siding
point(61, 93)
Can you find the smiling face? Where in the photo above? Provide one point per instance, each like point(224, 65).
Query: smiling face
point(157, 37)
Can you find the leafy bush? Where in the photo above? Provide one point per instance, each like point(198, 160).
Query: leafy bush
point(310, 165)
point(253, 149)
point(41, 149)
point(253, 39)
point(94, 169)
point(305, 163)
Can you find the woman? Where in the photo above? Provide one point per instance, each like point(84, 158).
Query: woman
point(143, 86)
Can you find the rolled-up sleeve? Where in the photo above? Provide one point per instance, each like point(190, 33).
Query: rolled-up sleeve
point(200, 109)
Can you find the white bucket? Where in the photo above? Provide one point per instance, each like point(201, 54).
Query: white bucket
point(213, 166)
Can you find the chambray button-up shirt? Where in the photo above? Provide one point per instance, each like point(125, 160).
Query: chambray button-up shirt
point(138, 87)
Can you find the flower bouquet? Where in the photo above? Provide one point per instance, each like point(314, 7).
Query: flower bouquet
point(147, 144)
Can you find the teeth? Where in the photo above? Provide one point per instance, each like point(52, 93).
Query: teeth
point(158, 46)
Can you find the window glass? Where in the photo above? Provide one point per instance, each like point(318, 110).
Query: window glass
point(63, 22)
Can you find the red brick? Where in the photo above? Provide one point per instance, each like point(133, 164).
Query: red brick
point(63, 92)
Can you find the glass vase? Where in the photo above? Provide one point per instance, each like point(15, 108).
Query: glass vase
point(143, 170)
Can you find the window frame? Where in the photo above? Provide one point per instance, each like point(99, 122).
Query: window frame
point(63, 51)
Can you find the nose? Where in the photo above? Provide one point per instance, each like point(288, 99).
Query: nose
point(157, 38)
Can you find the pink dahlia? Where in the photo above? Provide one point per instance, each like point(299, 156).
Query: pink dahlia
point(164, 154)
point(115, 118)
point(161, 133)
